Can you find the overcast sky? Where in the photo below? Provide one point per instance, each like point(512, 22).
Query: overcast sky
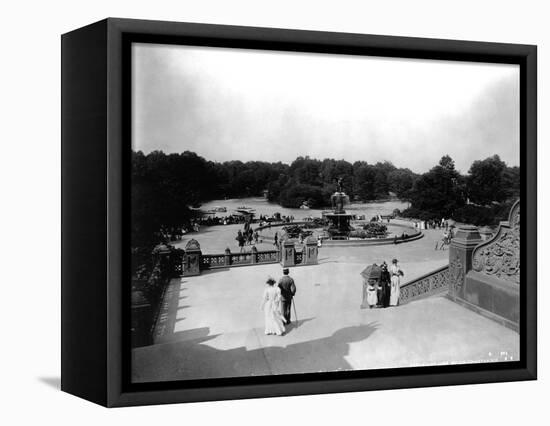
point(237, 104)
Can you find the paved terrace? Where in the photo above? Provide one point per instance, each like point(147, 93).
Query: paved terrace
point(212, 326)
point(215, 239)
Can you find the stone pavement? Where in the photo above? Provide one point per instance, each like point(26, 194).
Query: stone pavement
point(212, 326)
point(215, 239)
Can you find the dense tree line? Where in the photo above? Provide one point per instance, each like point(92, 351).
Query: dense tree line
point(482, 197)
point(314, 181)
point(166, 186)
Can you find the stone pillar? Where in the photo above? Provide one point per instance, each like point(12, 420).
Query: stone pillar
point(460, 258)
point(192, 258)
point(161, 257)
point(310, 251)
point(227, 257)
point(287, 253)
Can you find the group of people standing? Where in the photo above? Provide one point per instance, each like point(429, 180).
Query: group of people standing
point(247, 236)
point(432, 224)
point(381, 286)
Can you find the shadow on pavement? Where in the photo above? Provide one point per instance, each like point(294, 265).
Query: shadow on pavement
point(190, 358)
point(296, 324)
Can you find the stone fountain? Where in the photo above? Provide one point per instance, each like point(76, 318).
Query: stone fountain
point(338, 220)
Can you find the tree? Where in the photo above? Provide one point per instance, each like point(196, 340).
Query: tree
point(295, 194)
point(439, 192)
point(401, 182)
point(485, 182)
point(447, 163)
point(363, 181)
point(306, 171)
point(511, 182)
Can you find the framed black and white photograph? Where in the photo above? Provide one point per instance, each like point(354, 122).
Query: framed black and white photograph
point(288, 212)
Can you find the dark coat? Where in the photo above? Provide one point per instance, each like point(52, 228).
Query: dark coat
point(288, 288)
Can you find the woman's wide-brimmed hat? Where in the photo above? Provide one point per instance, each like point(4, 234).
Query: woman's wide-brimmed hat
point(270, 281)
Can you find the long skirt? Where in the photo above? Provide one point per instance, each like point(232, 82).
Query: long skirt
point(394, 295)
point(273, 318)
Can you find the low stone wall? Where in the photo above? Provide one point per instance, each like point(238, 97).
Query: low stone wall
point(372, 241)
point(228, 259)
point(290, 254)
point(494, 298)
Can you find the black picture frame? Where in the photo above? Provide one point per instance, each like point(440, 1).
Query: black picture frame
point(95, 207)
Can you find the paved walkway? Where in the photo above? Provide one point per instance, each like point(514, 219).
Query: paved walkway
point(212, 326)
point(215, 239)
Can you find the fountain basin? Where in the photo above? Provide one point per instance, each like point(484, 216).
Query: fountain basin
point(267, 234)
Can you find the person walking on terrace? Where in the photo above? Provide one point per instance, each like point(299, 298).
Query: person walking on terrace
point(288, 290)
point(396, 274)
point(241, 240)
point(271, 305)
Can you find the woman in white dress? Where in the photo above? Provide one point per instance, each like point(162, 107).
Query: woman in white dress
point(396, 273)
point(271, 305)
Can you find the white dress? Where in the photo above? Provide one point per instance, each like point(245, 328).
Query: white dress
point(271, 306)
point(395, 283)
point(372, 297)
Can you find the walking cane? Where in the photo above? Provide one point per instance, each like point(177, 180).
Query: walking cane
point(295, 314)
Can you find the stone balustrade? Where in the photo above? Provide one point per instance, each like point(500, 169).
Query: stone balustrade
point(306, 256)
point(431, 283)
point(194, 261)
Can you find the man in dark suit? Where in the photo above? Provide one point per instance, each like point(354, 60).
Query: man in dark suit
point(288, 290)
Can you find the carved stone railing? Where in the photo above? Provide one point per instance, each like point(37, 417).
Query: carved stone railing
point(193, 261)
point(431, 283)
point(244, 258)
point(212, 261)
point(499, 256)
point(194, 257)
point(271, 256)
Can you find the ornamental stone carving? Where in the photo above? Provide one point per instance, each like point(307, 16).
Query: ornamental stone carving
point(192, 245)
point(426, 285)
point(499, 257)
point(456, 272)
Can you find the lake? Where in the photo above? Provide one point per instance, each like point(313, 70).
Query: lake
point(264, 207)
